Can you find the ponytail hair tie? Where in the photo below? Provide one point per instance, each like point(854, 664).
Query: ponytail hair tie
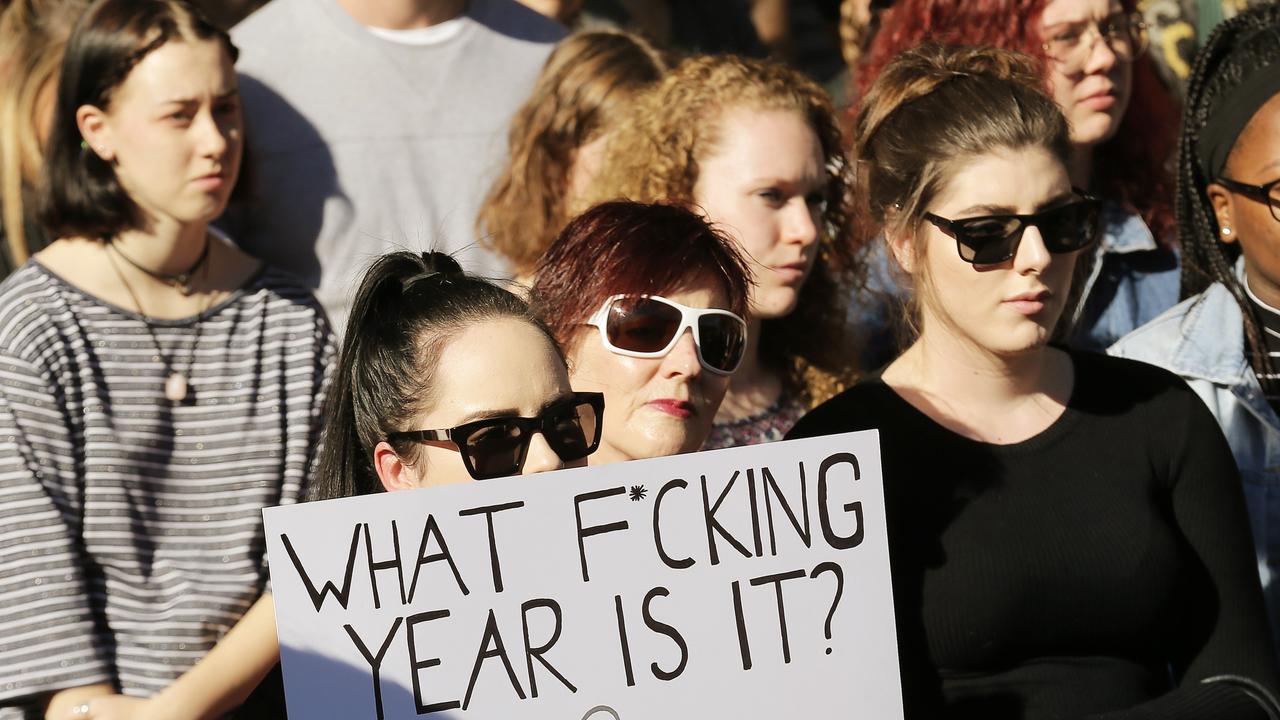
point(434, 265)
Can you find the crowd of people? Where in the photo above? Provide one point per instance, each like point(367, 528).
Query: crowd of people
point(359, 246)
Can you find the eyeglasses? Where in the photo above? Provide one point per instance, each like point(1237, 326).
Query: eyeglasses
point(497, 447)
point(1125, 33)
point(1268, 194)
point(992, 239)
point(649, 326)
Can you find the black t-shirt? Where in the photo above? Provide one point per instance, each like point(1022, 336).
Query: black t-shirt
point(1102, 568)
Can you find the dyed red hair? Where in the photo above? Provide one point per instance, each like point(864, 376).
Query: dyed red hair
point(1132, 167)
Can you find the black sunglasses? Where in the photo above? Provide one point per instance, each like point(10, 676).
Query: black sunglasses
point(993, 239)
point(497, 447)
point(1268, 194)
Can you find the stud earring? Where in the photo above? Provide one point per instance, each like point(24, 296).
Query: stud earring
point(1226, 232)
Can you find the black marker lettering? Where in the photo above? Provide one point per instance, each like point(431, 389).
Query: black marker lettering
point(657, 532)
point(744, 646)
point(665, 629)
point(709, 515)
point(777, 581)
point(584, 533)
point(622, 638)
point(531, 652)
point(429, 530)
point(317, 597)
point(488, 512)
point(392, 564)
point(415, 665)
point(838, 542)
point(499, 650)
point(806, 535)
point(375, 661)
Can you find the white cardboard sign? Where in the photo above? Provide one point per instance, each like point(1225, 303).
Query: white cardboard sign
point(749, 583)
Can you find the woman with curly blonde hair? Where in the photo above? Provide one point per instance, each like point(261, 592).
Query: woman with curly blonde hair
point(556, 139)
point(756, 147)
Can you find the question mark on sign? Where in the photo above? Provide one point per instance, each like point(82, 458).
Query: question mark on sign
point(835, 602)
point(602, 709)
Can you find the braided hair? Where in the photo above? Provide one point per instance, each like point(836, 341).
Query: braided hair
point(1236, 47)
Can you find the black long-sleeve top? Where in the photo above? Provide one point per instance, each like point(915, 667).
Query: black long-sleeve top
point(1100, 569)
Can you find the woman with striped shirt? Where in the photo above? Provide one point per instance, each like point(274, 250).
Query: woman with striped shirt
point(158, 388)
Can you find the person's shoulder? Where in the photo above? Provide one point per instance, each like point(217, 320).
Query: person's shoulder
point(860, 407)
point(30, 307)
point(516, 21)
point(1154, 340)
point(1126, 386)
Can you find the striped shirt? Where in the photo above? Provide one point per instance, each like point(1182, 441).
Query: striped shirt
point(1270, 319)
point(131, 532)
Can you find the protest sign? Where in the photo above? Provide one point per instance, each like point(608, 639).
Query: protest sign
point(746, 583)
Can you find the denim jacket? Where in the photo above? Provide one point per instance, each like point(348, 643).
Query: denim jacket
point(1132, 280)
point(1202, 340)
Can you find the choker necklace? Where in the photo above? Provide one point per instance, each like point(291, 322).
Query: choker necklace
point(176, 384)
point(181, 281)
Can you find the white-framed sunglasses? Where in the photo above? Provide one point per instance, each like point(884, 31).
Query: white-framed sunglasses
point(649, 326)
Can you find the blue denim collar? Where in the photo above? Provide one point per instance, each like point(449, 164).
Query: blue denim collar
point(1123, 230)
point(1211, 344)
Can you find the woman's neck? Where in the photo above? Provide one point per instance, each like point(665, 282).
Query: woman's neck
point(970, 390)
point(754, 387)
point(165, 247)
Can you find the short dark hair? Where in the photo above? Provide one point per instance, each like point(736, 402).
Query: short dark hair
point(408, 308)
point(622, 247)
point(81, 194)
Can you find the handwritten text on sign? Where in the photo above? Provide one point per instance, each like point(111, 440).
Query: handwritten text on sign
point(752, 581)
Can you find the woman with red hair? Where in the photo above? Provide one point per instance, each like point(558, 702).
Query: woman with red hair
point(1123, 126)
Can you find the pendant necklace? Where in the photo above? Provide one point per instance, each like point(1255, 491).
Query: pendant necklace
point(181, 281)
point(176, 383)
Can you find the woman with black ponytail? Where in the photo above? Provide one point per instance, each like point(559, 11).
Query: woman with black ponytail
point(444, 377)
point(1224, 339)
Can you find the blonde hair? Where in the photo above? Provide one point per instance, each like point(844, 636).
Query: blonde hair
point(584, 86)
point(655, 155)
point(33, 35)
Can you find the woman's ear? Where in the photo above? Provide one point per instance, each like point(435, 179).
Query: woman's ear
point(1220, 199)
point(92, 122)
point(903, 248)
point(394, 473)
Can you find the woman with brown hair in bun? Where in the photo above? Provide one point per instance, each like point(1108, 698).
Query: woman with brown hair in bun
point(1067, 533)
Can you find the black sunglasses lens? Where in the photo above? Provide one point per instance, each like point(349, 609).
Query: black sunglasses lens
point(641, 324)
point(723, 340)
point(1070, 227)
point(987, 240)
point(572, 430)
point(497, 450)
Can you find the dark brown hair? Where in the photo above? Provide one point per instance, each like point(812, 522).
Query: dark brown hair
point(81, 194)
point(631, 248)
point(935, 107)
point(408, 308)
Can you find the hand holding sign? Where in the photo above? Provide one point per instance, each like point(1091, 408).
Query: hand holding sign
point(713, 582)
